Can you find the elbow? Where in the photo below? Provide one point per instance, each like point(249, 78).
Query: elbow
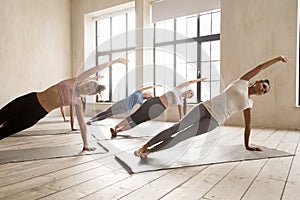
point(247, 128)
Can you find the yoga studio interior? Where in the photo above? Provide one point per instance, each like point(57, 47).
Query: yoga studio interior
point(223, 85)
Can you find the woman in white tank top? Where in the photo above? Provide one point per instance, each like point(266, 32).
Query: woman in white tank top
point(206, 116)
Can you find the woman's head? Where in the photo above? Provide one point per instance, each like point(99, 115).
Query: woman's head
point(147, 95)
point(90, 88)
point(261, 87)
point(188, 94)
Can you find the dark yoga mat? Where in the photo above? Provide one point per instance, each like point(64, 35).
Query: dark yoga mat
point(45, 132)
point(19, 155)
point(221, 154)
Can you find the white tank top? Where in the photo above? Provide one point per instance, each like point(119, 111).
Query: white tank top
point(174, 97)
point(233, 99)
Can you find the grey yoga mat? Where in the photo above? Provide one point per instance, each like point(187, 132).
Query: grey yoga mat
point(45, 132)
point(19, 155)
point(220, 154)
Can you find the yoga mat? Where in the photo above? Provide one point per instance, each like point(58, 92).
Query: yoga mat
point(45, 132)
point(19, 155)
point(220, 154)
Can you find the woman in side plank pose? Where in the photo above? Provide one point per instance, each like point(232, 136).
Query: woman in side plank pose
point(25, 111)
point(155, 107)
point(206, 116)
point(124, 105)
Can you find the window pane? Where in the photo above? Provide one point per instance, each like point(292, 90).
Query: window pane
point(169, 55)
point(105, 79)
point(205, 24)
point(205, 51)
point(131, 29)
point(192, 52)
point(119, 32)
point(118, 81)
point(205, 70)
point(181, 53)
point(181, 73)
point(159, 33)
point(164, 31)
point(215, 50)
point(131, 39)
point(215, 88)
point(205, 91)
point(103, 27)
point(191, 75)
point(169, 27)
point(103, 37)
point(192, 27)
point(216, 25)
point(103, 43)
point(181, 28)
point(131, 73)
point(215, 70)
point(131, 21)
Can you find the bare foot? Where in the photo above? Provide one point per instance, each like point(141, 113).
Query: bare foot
point(113, 133)
point(141, 151)
point(145, 154)
point(87, 148)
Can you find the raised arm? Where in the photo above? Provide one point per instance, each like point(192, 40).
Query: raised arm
point(93, 78)
point(247, 117)
point(148, 87)
point(182, 85)
point(81, 77)
point(253, 72)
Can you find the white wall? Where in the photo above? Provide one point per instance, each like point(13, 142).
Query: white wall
point(252, 32)
point(168, 9)
point(35, 45)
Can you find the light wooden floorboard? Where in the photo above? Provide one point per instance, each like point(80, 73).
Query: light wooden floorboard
point(101, 177)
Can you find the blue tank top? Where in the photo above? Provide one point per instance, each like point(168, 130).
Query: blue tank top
point(134, 98)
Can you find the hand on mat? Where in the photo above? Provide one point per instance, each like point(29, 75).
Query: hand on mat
point(254, 148)
point(87, 148)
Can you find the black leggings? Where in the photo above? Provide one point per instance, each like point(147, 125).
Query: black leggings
point(19, 114)
point(151, 109)
point(196, 122)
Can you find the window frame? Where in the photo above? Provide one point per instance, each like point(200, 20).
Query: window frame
point(110, 52)
point(199, 39)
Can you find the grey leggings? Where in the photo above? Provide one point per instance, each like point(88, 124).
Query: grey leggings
point(196, 122)
point(115, 109)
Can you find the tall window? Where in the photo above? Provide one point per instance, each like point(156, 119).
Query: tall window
point(187, 48)
point(115, 37)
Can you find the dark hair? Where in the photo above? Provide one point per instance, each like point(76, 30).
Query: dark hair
point(100, 88)
point(265, 81)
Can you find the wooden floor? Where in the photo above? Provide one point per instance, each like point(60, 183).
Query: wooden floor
point(101, 177)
